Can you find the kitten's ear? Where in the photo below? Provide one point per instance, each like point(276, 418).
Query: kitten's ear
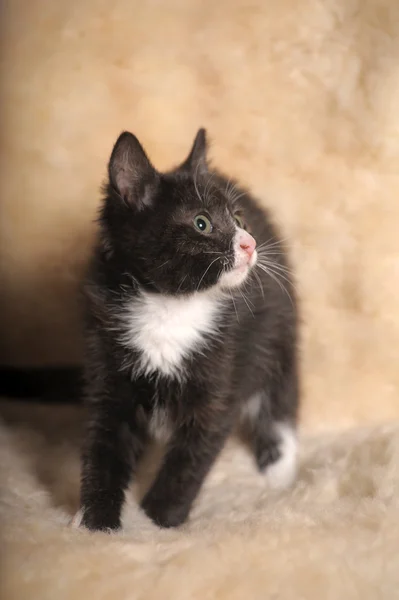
point(197, 159)
point(130, 172)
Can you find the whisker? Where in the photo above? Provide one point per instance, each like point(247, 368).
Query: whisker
point(247, 294)
point(282, 271)
point(266, 242)
point(276, 265)
point(163, 264)
point(280, 284)
point(237, 197)
point(233, 192)
point(229, 188)
point(182, 281)
point(270, 268)
point(266, 250)
point(266, 254)
point(274, 276)
point(259, 282)
point(206, 271)
point(234, 304)
point(249, 308)
point(275, 243)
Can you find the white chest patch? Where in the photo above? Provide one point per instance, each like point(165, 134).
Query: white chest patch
point(165, 329)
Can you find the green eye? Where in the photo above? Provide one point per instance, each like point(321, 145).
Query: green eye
point(239, 221)
point(203, 224)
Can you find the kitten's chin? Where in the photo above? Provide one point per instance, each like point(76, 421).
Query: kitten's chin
point(234, 278)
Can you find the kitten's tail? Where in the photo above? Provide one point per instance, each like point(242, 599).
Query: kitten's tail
point(47, 384)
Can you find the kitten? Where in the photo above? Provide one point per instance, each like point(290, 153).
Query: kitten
point(191, 332)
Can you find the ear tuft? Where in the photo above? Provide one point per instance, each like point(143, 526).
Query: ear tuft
point(131, 174)
point(197, 159)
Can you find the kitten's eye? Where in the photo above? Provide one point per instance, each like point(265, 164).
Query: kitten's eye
point(239, 221)
point(203, 224)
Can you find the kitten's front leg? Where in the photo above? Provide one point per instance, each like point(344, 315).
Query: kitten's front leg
point(114, 443)
point(192, 451)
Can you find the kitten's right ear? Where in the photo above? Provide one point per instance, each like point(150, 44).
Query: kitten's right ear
point(197, 159)
point(131, 174)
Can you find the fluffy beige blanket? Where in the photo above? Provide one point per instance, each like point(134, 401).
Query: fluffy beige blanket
point(335, 535)
point(301, 100)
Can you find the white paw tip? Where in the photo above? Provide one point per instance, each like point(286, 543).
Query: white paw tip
point(281, 474)
point(76, 520)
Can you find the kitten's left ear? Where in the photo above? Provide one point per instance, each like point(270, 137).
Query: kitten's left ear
point(131, 173)
point(197, 159)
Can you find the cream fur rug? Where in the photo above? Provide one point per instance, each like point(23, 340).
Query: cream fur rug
point(334, 536)
point(301, 100)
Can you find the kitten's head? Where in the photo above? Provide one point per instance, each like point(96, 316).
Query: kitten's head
point(176, 232)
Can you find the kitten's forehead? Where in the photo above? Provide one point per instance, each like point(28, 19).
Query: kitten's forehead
point(200, 193)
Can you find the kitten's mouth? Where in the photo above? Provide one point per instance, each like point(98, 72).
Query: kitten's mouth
point(238, 274)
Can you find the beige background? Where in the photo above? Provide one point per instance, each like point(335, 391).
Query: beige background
point(301, 100)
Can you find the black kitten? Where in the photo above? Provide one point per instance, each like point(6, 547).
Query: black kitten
point(191, 331)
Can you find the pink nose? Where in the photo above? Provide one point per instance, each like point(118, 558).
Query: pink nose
point(247, 243)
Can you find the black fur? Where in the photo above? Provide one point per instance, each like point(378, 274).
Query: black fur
point(147, 242)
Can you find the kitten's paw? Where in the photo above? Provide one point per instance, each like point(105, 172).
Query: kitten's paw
point(76, 520)
point(163, 513)
point(279, 459)
point(96, 521)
